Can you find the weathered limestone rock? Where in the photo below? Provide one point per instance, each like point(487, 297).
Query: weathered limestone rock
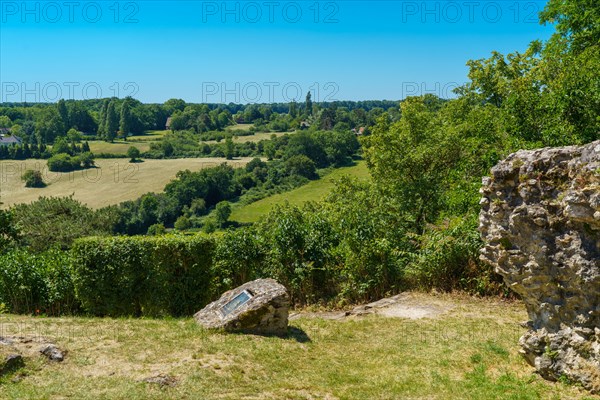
point(540, 221)
point(52, 352)
point(260, 306)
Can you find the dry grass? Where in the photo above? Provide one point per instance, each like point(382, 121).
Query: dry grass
point(470, 352)
point(114, 181)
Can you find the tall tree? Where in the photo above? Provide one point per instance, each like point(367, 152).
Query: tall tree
point(112, 122)
point(126, 119)
point(102, 120)
point(293, 109)
point(309, 107)
point(64, 113)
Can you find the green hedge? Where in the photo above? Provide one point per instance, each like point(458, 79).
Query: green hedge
point(37, 283)
point(151, 276)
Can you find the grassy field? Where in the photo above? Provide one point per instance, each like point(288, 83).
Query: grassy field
point(100, 146)
point(114, 181)
point(239, 127)
point(312, 191)
point(256, 137)
point(470, 352)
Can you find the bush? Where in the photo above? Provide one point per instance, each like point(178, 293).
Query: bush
point(301, 165)
point(449, 259)
point(150, 276)
point(37, 283)
point(183, 223)
point(133, 153)
point(156, 229)
point(33, 179)
point(63, 163)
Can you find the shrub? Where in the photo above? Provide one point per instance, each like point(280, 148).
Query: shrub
point(57, 221)
point(152, 276)
point(449, 259)
point(133, 153)
point(222, 213)
point(301, 165)
point(183, 223)
point(33, 179)
point(156, 229)
point(63, 163)
point(37, 283)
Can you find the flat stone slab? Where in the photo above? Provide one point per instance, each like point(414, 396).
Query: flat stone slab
point(403, 305)
point(261, 306)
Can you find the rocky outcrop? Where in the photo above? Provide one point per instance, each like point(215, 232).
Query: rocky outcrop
point(261, 306)
point(540, 220)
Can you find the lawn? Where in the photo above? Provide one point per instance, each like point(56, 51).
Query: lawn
point(114, 181)
point(312, 191)
point(470, 352)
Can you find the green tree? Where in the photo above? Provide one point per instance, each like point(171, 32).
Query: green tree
point(229, 148)
point(33, 179)
point(411, 160)
point(301, 165)
point(133, 153)
point(183, 223)
point(64, 219)
point(61, 146)
point(63, 113)
point(222, 213)
point(9, 234)
point(5, 121)
point(74, 136)
point(86, 159)
point(156, 230)
point(48, 125)
point(102, 118)
point(309, 104)
point(126, 118)
point(112, 122)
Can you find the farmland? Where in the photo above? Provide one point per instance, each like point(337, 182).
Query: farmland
point(113, 181)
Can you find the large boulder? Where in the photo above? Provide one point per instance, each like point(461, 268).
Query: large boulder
point(261, 306)
point(540, 220)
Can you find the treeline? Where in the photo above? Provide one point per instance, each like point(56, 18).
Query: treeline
point(113, 118)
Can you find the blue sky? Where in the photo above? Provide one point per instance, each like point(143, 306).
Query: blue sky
point(252, 51)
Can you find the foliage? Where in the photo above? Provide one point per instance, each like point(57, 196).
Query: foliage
point(183, 223)
point(37, 283)
point(65, 163)
point(133, 153)
point(222, 213)
point(9, 233)
point(150, 276)
point(33, 179)
point(57, 221)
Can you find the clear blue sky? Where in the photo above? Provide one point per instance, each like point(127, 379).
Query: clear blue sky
point(227, 51)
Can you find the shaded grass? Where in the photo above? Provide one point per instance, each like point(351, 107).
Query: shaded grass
point(469, 353)
point(312, 191)
point(117, 147)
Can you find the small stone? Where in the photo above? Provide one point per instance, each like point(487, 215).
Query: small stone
point(52, 352)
